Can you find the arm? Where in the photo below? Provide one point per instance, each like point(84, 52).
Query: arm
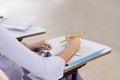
point(52, 67)
point(72, 47)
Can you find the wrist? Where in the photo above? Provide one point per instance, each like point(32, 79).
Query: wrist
point(28, 46)
point(72, 48)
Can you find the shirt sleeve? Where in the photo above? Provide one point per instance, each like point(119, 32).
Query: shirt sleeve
point(50, 68)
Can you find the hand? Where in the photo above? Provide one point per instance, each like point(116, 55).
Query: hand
point(37, 46)
point(74, 43)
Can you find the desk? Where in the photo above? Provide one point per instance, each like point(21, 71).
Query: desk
point(32, 31)
point(74, 69)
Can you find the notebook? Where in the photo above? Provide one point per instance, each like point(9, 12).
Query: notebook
point(87, 50)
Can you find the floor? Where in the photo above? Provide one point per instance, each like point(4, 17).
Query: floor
point(100, 19)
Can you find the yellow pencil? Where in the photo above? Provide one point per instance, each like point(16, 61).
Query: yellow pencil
point(73, 36)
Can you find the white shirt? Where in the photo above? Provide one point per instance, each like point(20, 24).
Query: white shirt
point(50, 68)
point(12, 70)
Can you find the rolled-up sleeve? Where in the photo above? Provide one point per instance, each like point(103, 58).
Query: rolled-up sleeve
point(50, 68)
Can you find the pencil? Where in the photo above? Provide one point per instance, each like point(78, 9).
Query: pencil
point(73, 36)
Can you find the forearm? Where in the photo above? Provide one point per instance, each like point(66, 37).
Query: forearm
point(28, 46)
point(67, 53)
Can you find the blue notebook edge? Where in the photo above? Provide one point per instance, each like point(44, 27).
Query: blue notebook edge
point(94, 54)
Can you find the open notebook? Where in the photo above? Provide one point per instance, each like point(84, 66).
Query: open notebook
point(87, 50)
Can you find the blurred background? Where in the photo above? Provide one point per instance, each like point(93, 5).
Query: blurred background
point(100, 19)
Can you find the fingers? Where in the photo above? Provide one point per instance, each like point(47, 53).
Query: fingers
point(67, 37)
point(46, 45)
point(74, 42)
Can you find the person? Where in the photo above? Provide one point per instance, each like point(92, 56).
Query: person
point(14, 54)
